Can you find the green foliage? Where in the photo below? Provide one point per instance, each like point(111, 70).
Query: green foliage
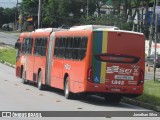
point(110, 20)
point(1, 14)
point(52, 12)
point(8, 55)
point(29, 7)
point(74, 12)
point(151, 93)
point(58, 12)
point(7, 15)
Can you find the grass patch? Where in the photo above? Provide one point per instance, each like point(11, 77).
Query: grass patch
point(151, 93)
point(8, 55)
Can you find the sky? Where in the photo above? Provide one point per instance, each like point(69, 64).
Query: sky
point(8, 3)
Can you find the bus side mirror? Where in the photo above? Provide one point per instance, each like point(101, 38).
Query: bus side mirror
point(17, 45)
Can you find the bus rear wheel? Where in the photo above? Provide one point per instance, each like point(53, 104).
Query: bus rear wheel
point(67, 93)
point(111, 98)
point(39, 82)
point(24, 81)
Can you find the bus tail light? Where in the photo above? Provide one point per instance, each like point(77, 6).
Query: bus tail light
point(141, 77)
point(90, 74)
point(117, 58)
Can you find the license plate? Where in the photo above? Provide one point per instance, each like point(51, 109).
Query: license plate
point(124, 77)
point(115, 90)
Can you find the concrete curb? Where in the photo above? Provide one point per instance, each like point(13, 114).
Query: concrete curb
point(8, 64)
point(141, 104)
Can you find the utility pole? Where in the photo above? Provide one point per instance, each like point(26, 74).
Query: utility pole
point(16, 14)
point(151, 29)
point(39, 13)
point(157, 9)
point(141, 28)
point(87, 9)
point(20, 20)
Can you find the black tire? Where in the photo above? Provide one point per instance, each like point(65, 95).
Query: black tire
point(67, 93)
point(113, 98)
point(24, 81)
point(39, 82)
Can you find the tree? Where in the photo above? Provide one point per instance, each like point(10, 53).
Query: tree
point(29, 7)
point(7, 15)
point(1, 14)
point(55, 12)
point(99, 4)
point(70, 12)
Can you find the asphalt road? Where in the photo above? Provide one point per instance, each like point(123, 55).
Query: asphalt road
point(8, 38)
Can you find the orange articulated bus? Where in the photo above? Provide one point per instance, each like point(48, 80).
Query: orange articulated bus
point(85, 59)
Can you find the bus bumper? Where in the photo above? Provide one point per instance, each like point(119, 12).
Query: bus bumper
point(102, 88)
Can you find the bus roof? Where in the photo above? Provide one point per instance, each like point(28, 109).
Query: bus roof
point(41, 32)
point(49, 30)
point(93, 27)
point(102, 28)
point(121, 31)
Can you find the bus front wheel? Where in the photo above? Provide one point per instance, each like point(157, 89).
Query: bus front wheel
point(67, 93)
point(39, 82)
point(24, 81)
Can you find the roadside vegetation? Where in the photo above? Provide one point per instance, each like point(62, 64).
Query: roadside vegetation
point(8, 55)
point(151, 93)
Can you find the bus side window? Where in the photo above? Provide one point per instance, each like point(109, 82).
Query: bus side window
point(76, 48)
point(73, 48)
point(61, 47)
point(83, 46)
point(67, 47)
point(36, 46)
point(84, 42)
point(70, 47)
point(45, 41)
point(40, 46)
point(57, 46)
point(18, 47)
point(24, 46)
point(30, 43)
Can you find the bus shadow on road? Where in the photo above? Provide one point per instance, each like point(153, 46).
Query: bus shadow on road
point(100, 101)
point(88, 99)
point(93, 100)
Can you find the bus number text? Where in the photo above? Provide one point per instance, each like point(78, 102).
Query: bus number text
point(117, 82)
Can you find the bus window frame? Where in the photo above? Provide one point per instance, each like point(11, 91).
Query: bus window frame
point(39, 45)
point(31, 47)
point(72, 47)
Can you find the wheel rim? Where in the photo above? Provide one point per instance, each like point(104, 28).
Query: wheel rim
point(66, 89)
point(39, 82)
point(23, 78)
